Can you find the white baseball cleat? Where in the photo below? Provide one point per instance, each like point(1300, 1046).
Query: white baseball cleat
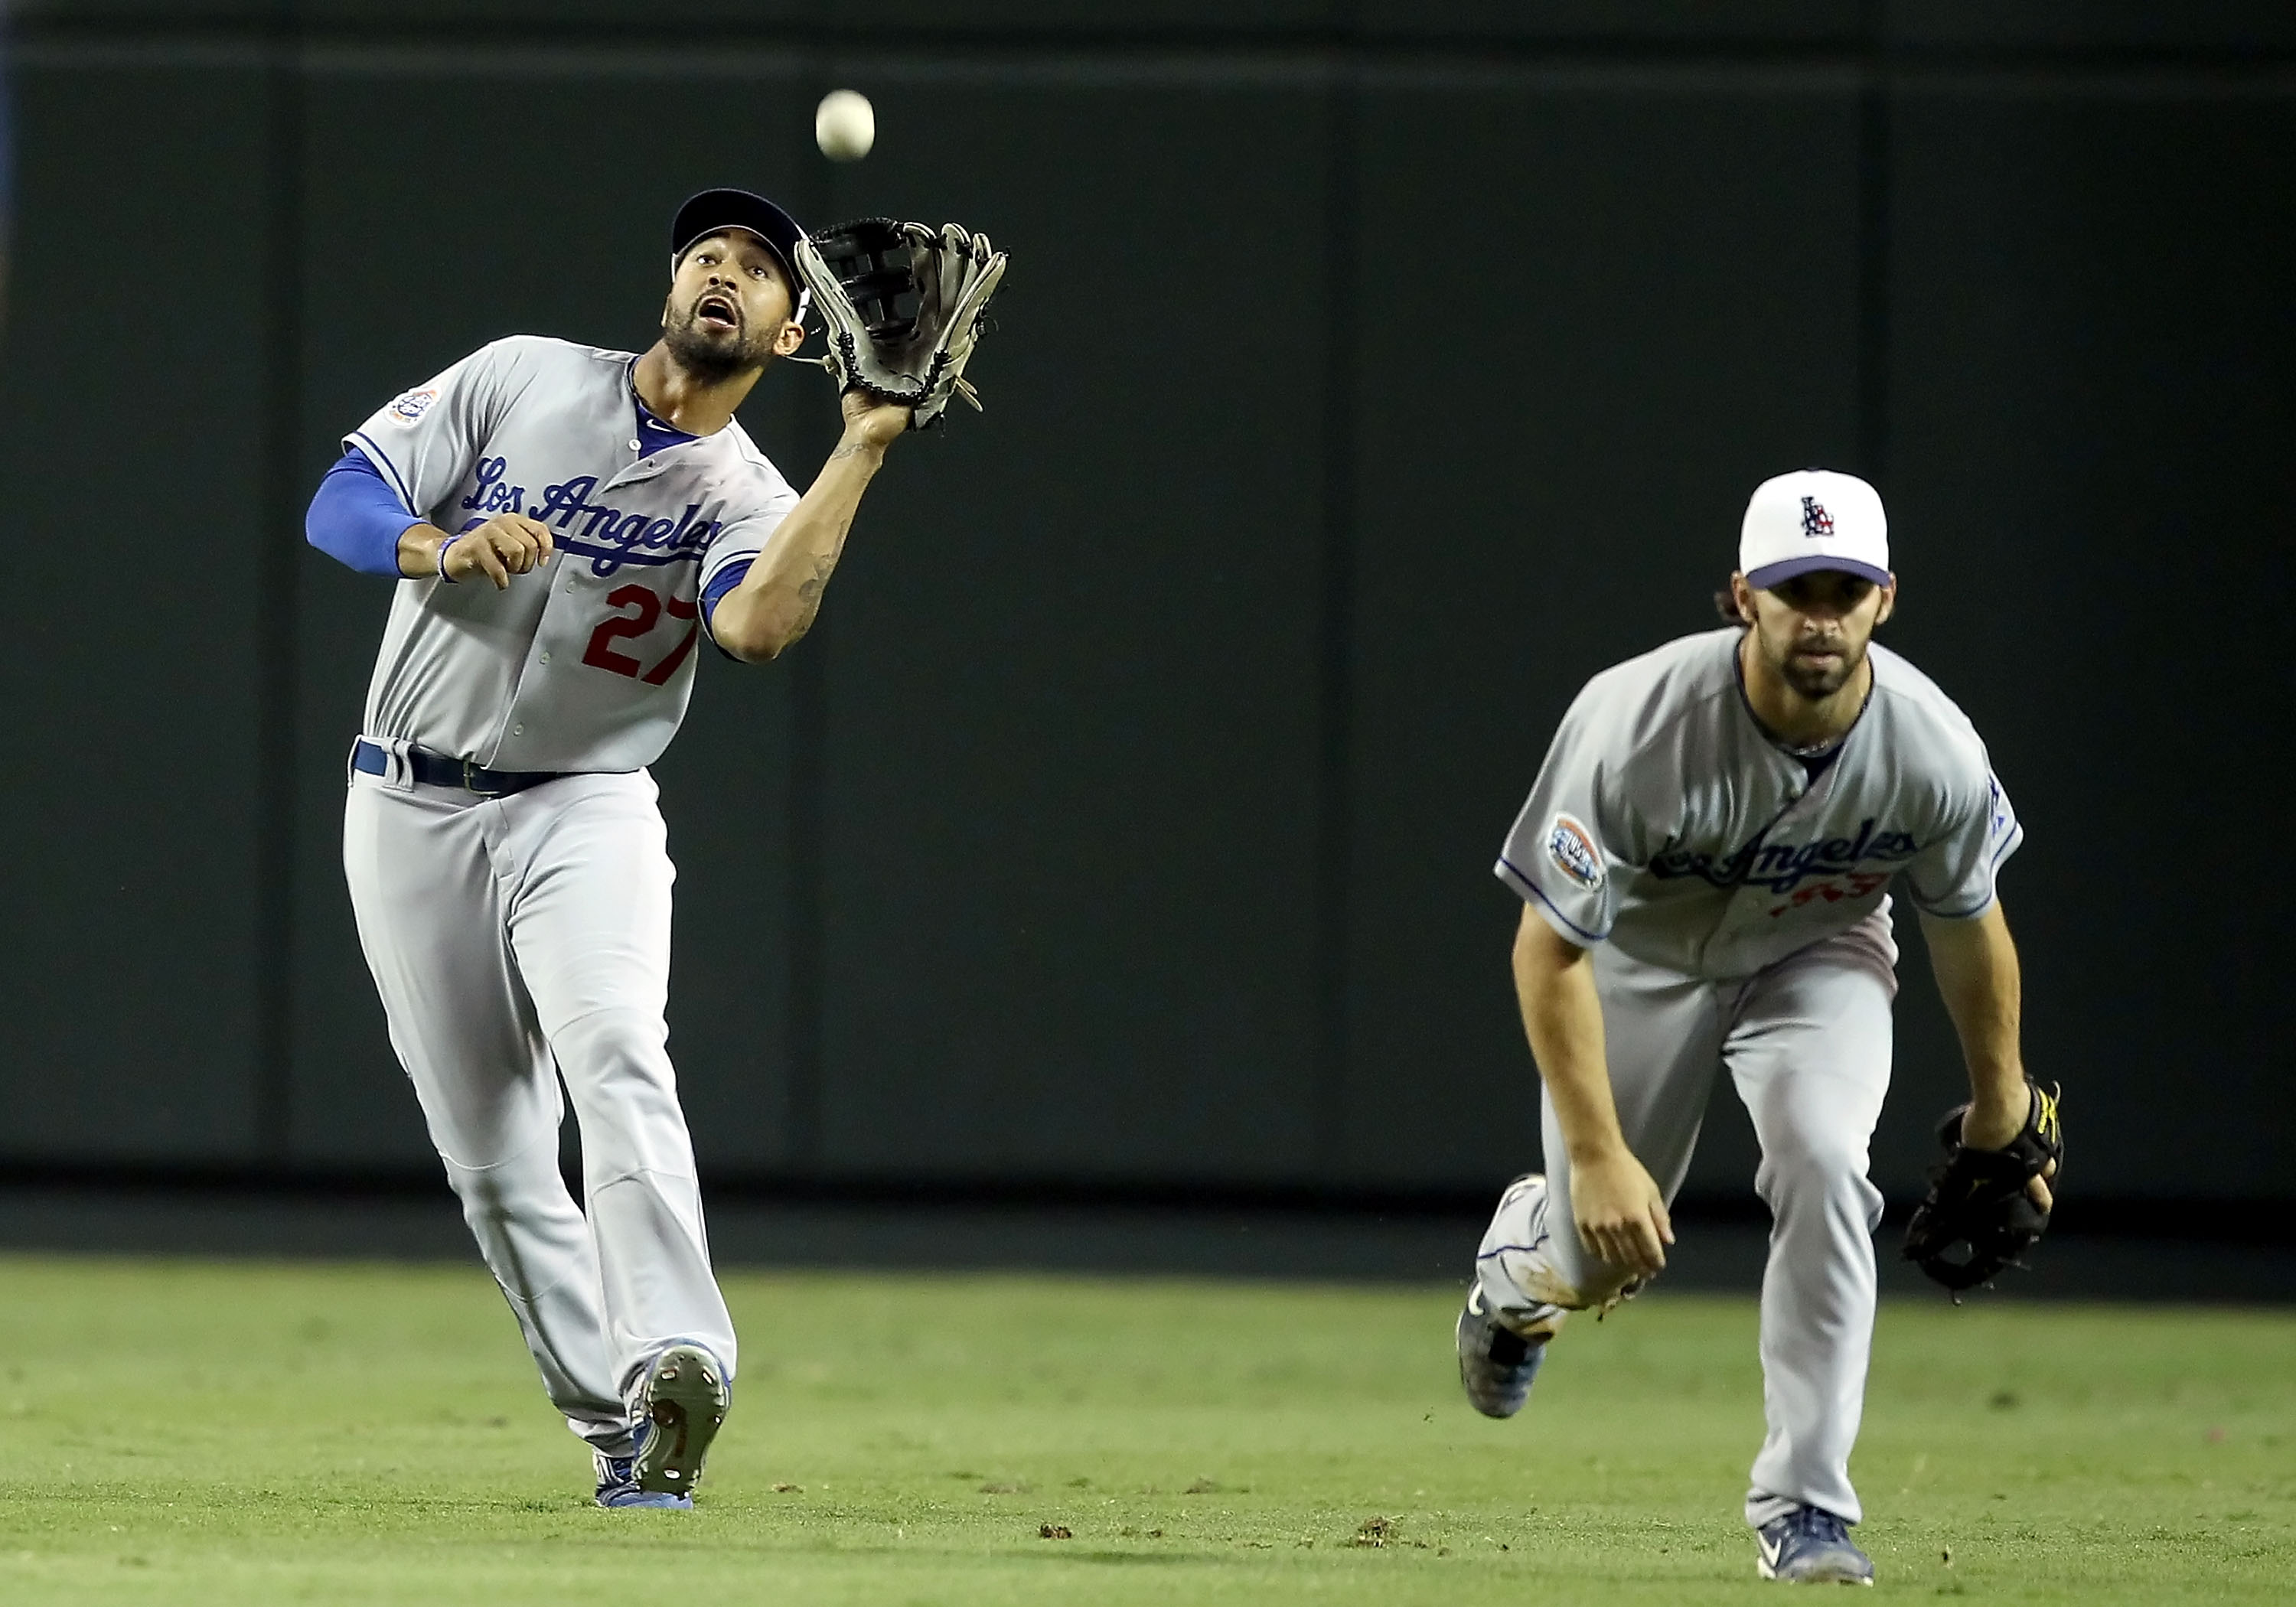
point(680, 1401)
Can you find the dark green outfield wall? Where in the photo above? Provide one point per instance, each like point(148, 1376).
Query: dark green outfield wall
point(1128, 818)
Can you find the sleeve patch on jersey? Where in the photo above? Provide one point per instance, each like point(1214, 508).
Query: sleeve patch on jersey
point(406, 410)
point(1571, 847)
point(1997, 804)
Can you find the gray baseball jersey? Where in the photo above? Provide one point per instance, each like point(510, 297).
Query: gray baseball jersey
point(585, 663)
point(1665, 821)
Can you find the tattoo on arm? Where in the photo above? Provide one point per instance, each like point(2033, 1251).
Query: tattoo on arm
point(808, 595)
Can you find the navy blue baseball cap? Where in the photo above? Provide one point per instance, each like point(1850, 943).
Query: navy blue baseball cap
point(715, 211)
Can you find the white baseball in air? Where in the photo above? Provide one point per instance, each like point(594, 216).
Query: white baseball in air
point(845, 125)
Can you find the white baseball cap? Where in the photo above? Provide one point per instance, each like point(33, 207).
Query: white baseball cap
point(1813, 519)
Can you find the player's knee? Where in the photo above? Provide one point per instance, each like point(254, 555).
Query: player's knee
point(1823, 1163)
point(1553, 1280)
point(1597, 1286)
point(620, 1053)
point(489, 1210)
point(510, 1209)
point(1564, 1272)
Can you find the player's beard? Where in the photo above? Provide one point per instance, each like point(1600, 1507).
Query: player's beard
point(710, 356)
point(1818, 681)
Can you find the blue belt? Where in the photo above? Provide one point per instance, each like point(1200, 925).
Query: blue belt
point(437, 770)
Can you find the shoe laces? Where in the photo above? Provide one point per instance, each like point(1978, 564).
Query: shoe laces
point(1815, 1523)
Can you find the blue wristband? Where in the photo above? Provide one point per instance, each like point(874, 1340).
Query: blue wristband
point(441, 558)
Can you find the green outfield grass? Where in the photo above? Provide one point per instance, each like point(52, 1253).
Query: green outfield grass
point(190, 1432)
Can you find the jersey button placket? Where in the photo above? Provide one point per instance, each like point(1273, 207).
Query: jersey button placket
point(1749, 909)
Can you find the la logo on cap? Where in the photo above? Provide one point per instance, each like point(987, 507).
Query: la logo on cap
point(1786, 515)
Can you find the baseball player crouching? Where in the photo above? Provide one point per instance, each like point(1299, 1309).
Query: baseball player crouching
point(1705, 861)
point(566, 523)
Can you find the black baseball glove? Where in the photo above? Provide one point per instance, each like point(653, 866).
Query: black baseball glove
point(1977, 1218)
point(902, 305)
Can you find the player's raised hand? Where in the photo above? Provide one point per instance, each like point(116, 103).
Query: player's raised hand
point(1620, 1213)
point(871, 421)
point(507, 545)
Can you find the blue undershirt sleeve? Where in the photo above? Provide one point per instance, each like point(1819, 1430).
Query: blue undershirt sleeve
point(725, 581)
point(357, 518)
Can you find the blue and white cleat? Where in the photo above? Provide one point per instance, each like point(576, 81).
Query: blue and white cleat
point(678, 1405)
point(1809, 1546)
point(617, 1482)
point(1498, 1363)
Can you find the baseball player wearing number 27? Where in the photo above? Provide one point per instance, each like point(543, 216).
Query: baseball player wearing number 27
point(1704, 862)
point(565, 524)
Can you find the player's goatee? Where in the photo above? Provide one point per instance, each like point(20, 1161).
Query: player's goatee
point(1818, 679)
point(710, 356)
point(1814, 681)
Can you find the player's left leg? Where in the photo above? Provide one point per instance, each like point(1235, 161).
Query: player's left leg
point(1810, 1049)
point(590, 922)
point(1662, 1034)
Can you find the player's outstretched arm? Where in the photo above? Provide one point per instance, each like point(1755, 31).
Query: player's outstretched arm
point(1620, 1213)
point(774, 604)
point(1976, 973)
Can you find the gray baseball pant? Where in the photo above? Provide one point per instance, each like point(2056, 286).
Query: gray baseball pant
point(1807, 1043)
point(516, 941)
